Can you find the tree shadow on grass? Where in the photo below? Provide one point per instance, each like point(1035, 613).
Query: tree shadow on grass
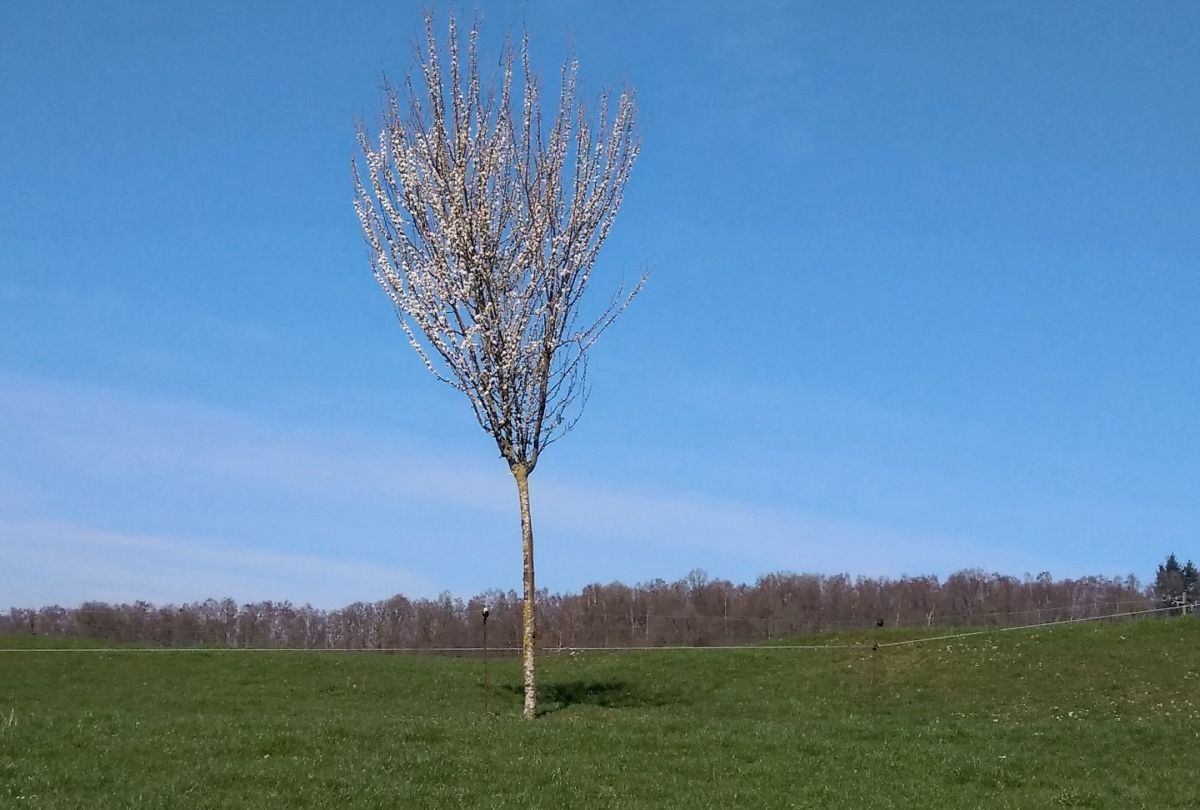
point(610, 693)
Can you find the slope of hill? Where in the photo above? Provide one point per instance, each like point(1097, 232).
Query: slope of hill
point(1094, 715)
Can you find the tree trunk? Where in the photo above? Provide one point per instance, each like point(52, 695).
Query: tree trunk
point(528, 634)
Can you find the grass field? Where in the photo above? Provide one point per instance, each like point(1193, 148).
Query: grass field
point(1092, 715)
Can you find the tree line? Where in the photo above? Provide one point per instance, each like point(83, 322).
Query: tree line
point(695, 610)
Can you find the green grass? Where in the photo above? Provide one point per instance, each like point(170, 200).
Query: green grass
point(1082, 716)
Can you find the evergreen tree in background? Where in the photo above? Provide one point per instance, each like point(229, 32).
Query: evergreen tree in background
point(1174, 583)
point(1191, 581)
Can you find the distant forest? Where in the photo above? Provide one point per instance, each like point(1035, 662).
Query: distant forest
point(695, 610)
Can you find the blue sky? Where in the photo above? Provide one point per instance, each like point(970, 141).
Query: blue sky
point(924, 297)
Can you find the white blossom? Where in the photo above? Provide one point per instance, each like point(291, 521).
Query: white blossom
point(483, 223)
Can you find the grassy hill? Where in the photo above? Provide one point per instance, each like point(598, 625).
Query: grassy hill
point(1091, 715)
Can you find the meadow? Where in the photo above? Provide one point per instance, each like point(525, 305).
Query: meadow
point(1090, 715)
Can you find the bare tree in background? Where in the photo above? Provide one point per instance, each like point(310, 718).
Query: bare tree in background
point(483, 222)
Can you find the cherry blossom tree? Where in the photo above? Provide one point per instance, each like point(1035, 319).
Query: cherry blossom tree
point(483, 221)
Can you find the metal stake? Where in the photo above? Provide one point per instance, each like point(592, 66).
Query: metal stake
point(875, 659)
point(486, 683)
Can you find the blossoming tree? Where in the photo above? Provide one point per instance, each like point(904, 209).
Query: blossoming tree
point(483, 221)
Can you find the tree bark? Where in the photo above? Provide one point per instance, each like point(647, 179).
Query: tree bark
point(528, 635)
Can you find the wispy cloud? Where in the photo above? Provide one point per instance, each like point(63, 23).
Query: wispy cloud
point(730, 536)
point(108, 434)
point(84, 438)
point(48, 562)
